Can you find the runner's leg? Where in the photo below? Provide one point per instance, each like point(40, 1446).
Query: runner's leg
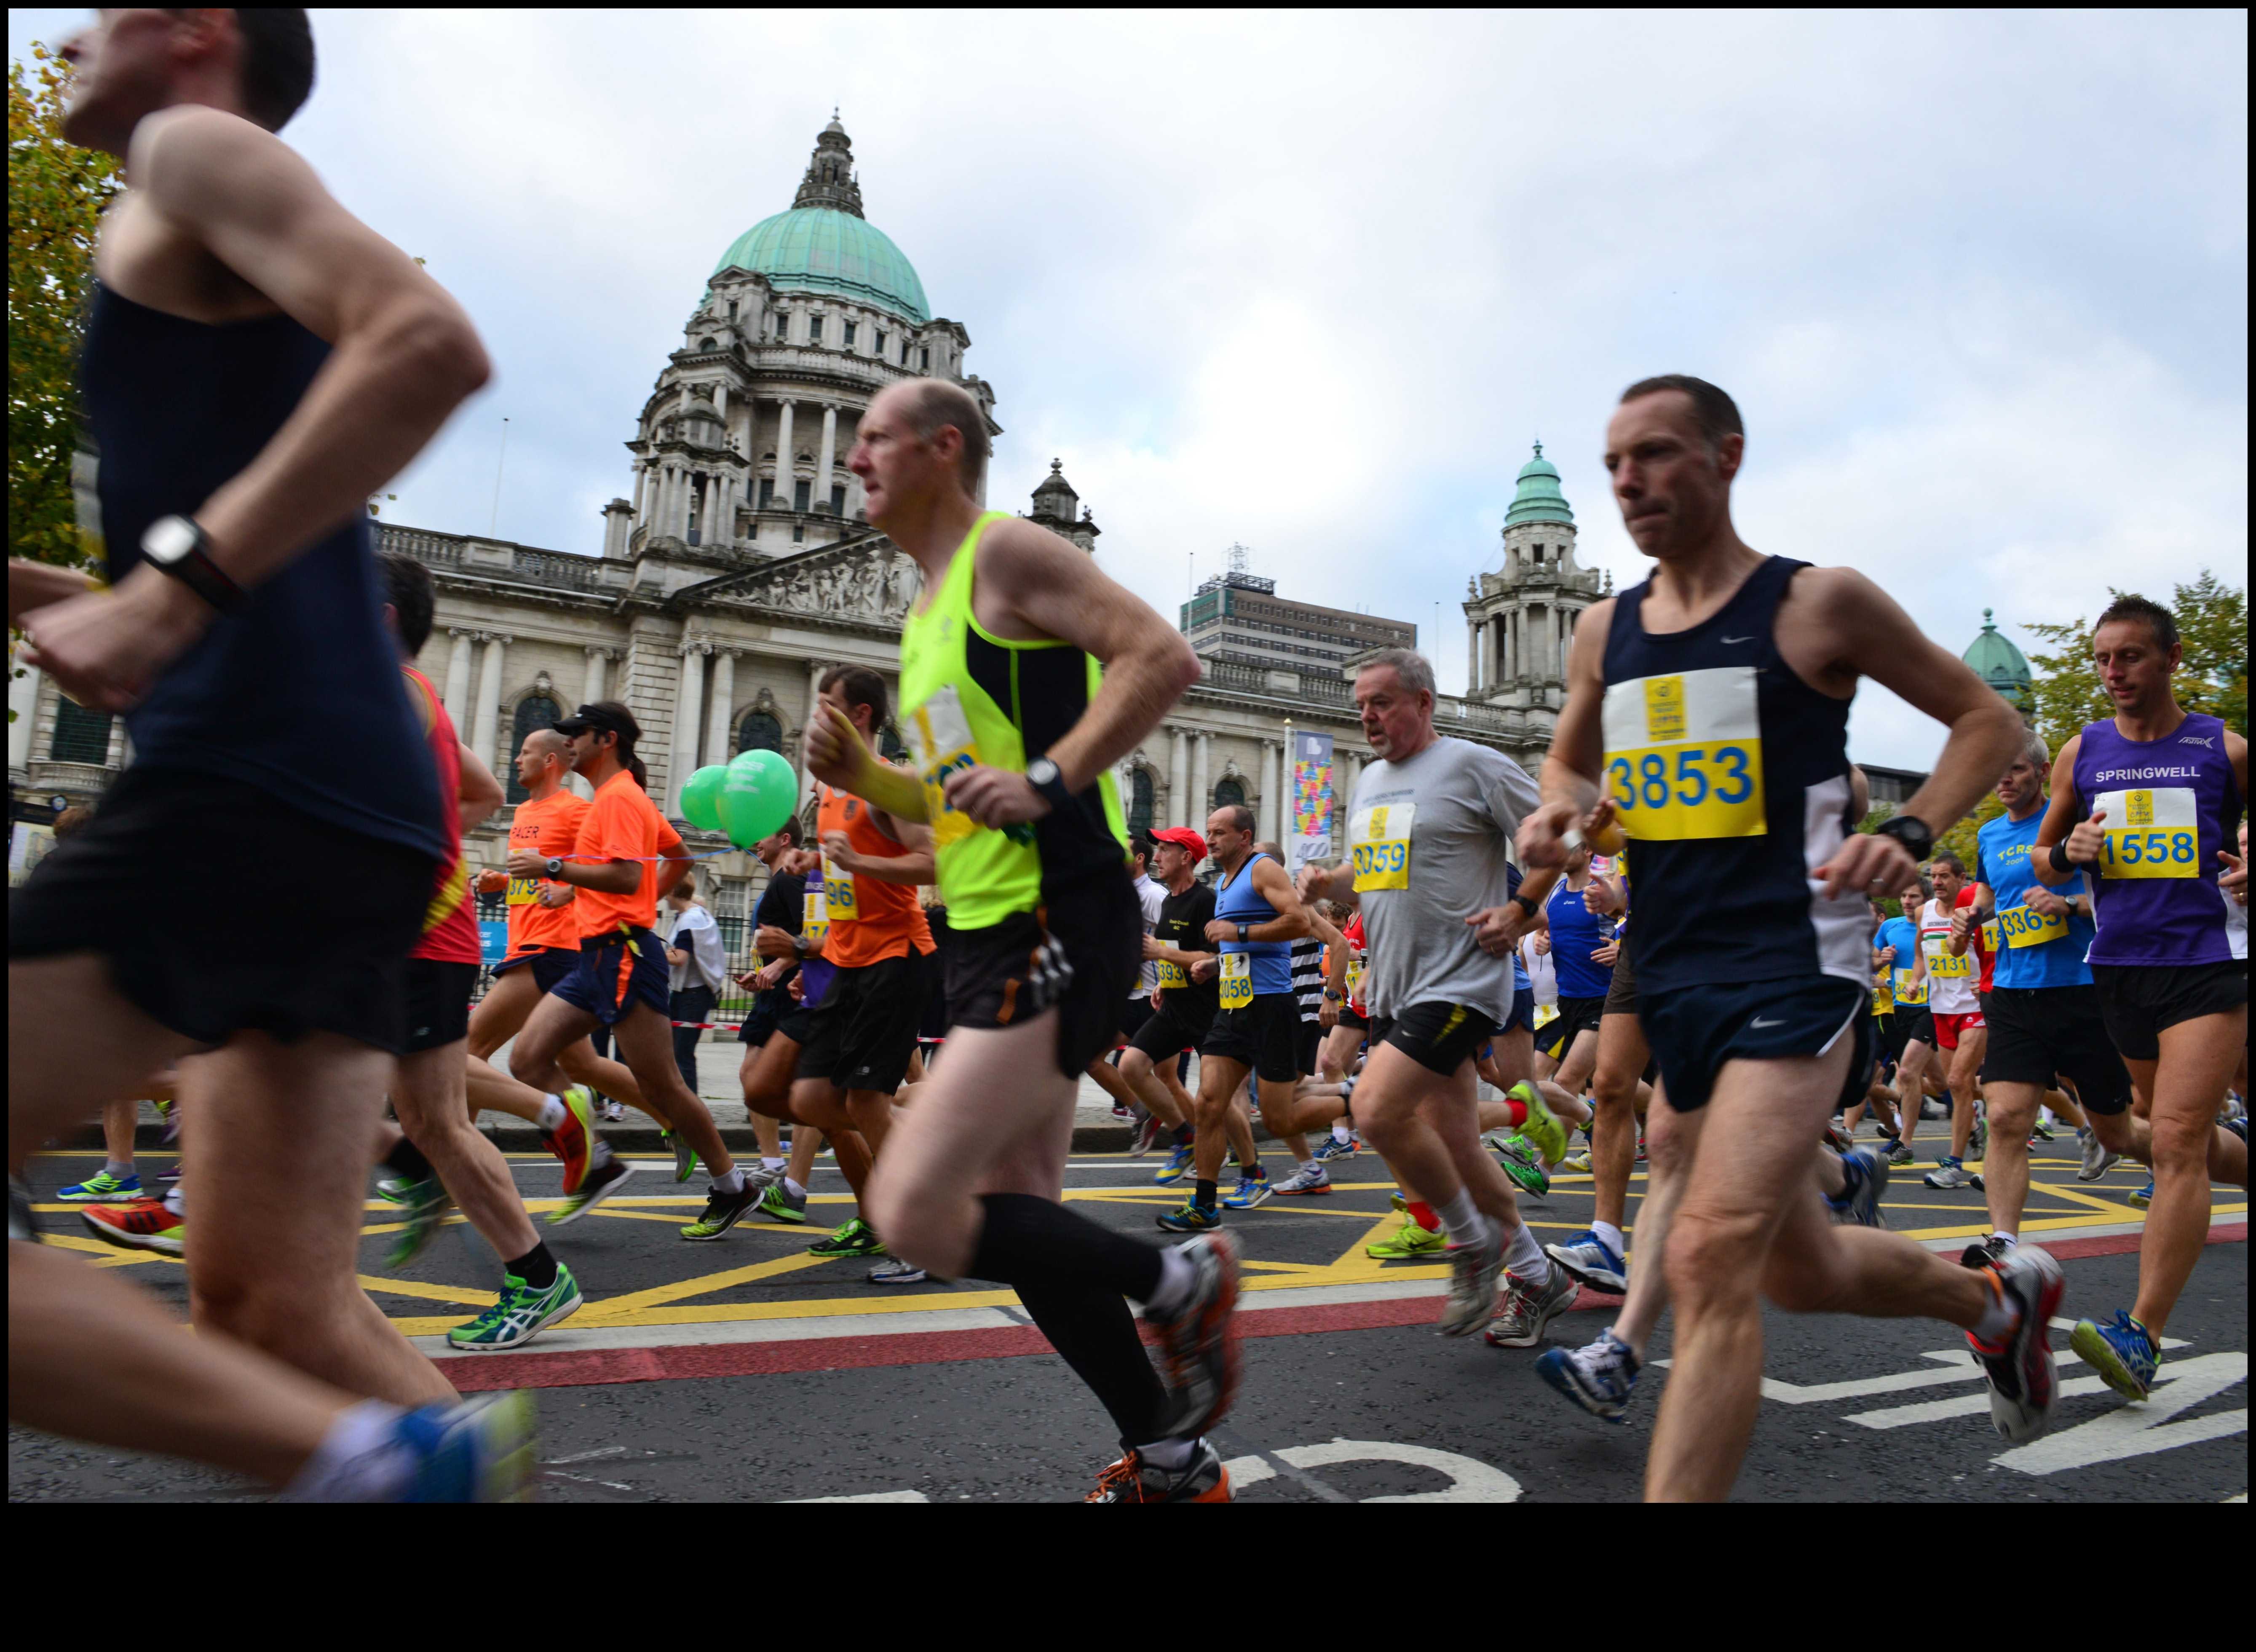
point(75, 1043)
point(2198, 1057)
point(2005, 1166)
point(1670, 1139)
point(428, 1094)
point(1623, 1054)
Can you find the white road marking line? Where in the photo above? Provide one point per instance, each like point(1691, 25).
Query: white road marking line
point(2137, 1430)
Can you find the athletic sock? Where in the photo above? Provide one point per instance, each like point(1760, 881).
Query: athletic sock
point(1341, 1134)
point(773, 1164)
point(1515, 1111)
point(1422, 1214)
point(1524, 1257)
point(536, 1267)
point(553, 1113)
point(1025, 1241)
point(1176, 1277)
point(120, 1169)
point(1203, 1195)
point(1175, 1456)
point(1462, 1220)
point(176, 1201)
point(361, 1459)
point(1184, 1135)
point(793, 1188)
point(1093, 1332)
point(2010, 1238)
point(407, 1160)
point(732, 1183)
point(1999, 1317)
point(1610, 1236)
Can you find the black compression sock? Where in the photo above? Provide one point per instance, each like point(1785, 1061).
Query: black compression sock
point(407, 1160)
point(1204, 1197)
point(1094, 1331)
point(536, 1267)
point(1182, 1135)
point(1024, 1241)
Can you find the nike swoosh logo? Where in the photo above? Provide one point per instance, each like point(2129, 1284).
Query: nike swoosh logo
point(1727, 641)
point(1759, 1021)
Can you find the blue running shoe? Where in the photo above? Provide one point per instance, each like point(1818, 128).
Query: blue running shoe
point(1192, 1218)
point(1598, 1377)
point(480, 1451)
point(1177, 1167)
point(2145, 1196)
point(102, 1188)
point(1589, 1260)
point(1332, 1148)
point(1866, 1175)
point(1252, 1189)
point(2121, 1355)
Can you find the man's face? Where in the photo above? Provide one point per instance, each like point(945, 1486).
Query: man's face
point(532, 757)
point(2019, 787)
point(835, 697)
point(1672, 488)
point(898, 467)
point(1222, 837)
point(1394, 717)
point(2132, 668)
point(1169, 859)
point(771, 848)
point(1946, 881)
point(122, 65)
point(587, 747)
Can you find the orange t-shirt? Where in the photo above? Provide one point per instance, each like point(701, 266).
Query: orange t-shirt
point(621, 824)
point(549, 827)
point(871, 920)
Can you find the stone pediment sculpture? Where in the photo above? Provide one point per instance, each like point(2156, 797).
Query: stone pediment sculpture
point(869, 580)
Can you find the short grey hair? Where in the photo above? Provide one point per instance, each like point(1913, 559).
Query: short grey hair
point(1416, 670)
point(2034, 749)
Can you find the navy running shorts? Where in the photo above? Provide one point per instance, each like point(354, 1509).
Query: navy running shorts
point(550, 965)
point(616, 973)
point(1693, 1030)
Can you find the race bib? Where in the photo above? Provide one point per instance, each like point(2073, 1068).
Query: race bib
point(1991, 938)
point(1381, 839)
point(2022, 927)
point(814, 924)
point(1884, 1002)
point(1355, 978)
point(1683, 755)
point(1237, 980)
point(2149, 834)
point(1941, 964)
point(1172, 973)
point(941, 742)
point(523, 892)
point(840, 903)
point(1545, 1013)
point(1905, 991)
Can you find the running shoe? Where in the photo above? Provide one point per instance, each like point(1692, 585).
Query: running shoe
point(1310, 1178)
point(1640, 1148)
point(1331, 1148)
point(392, 1189)
point(521, 1313)
point(858, 1238)
point(2023, 1383)
point(1192, 1218)
point(1198, 1338)
point(778, 1202)
point(1866, 1175)
point(724, 1210)
point(1525, 1309)
point(1408, 1242)
point(1949, 1172)
point(168, 1122)
point(1125, 1115)
point(2145, 1196)
point(2122, 1355)
point(1977, 1141)
point(1598, 1377)
point(1900, 1154)
point(1579, 1162)
point(2040, 1131)
point(1839, 1140)
point(574, 1140)
point(102, 1188)
point(1177, 1167)
point(1517, 1155)
point(1131, 1479)
point(1396, 1199)
point(600, 1183)
point(1474, 1270)
point(685, 1156)
point(1147, 1132)
point(1590, 1259)
point(145, 1226)
point(612, 1112)
point(171, 1172)
point(894, 1271)
point(1542, 1128)
point(1252, 1189)
point(424, 1214)
point(479, 1452)
point(1983, 1252)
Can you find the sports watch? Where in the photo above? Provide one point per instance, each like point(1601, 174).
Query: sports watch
point(555, 868)
point(1044, 776)
point(178, 546)
point(1909, 830)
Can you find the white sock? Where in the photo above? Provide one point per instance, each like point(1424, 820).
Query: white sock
point(1612, 1236)
point(1176, 1278)
point(793, 1188)
point(732, 1183)
point(117, 1168)
point(1171, 1455)
point(2010, 1238)
point(1462, 1220)
point(553, 1113)
point(772, 1164)
point(1524, 1257)
point(176, 1201)
point(1340, 1133)
point(361, 1459)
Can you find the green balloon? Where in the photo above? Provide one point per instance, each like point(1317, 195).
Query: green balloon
point(700, 797)
point(759, 794)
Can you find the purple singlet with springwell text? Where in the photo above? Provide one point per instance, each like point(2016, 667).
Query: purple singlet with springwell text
point(2171, 804)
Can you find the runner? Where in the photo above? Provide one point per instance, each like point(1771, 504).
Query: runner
point(1911, 1032)
point(1714, 698)
point(1429, 828)
point(780, 912)
point(696, 964)
point(1185, 1000)
point(2148, 800)
point(240, 437)
point(1954, 1004)
point(617, 877)
point(770, 1078)
point(1025, 675)
point(1568, 1045)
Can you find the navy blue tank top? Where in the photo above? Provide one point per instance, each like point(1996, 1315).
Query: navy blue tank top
point(1731, 774)
point(300, 693)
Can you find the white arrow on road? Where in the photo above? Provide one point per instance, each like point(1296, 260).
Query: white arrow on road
point(2137, 1430)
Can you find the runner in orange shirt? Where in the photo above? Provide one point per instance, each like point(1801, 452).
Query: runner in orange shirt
point(625, 857)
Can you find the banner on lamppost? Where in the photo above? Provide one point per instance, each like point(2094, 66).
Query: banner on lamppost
point(1314, 801)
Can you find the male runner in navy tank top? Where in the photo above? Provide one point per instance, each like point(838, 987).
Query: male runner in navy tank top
point(1712, 703)
point(258, 363)
point(2147, 804)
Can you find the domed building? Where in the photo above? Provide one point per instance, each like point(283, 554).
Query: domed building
point(1998, 662)
point(1520, 620)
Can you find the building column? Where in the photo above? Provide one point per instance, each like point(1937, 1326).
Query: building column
point(641, 475)
point(724, 704)
point(814, 670)
point(457, 691)
point(1342, 799)
point(783, 461)
point(1178, 778)
point(688, 708)
point(822, 458)
point(483, 735)
point(1280, 791)
point(1472, 656)
point(1202, 779)
point(23, 701)
point(592, 690)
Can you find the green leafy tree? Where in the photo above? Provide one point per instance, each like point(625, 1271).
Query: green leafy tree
point(56, 193)
point(2213, 627)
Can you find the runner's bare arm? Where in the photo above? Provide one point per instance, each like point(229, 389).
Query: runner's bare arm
point(1570, 768)
point(672, 870)
point(1333, 884)
point(36, 584)
point(1273, 886)
point(2060, 825)
point(839, 756)
point(478, 794)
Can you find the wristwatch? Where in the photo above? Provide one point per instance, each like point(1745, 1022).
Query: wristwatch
point(178, 545)
point(1909, 830)
point(1243, 929)
point(1524, 904)
point(1045, 777)
point(555, 868)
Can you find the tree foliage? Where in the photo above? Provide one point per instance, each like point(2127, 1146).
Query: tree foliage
point(56, 193)
point(2212, 626)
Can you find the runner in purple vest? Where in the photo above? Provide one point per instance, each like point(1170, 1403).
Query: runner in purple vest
point(2146, 802)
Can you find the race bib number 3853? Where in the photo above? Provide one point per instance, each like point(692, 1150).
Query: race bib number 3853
point(1684, 754)
point(1379, 836)
point(2149, 834)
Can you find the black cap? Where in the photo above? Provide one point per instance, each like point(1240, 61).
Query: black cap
point(599, 718)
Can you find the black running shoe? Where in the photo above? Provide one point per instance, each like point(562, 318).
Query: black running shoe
point(1203, 1480)
point(601, 1182)
point(723, 1210)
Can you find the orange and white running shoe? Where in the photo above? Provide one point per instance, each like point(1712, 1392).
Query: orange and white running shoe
point(1132, 1479)
point(145, 1226)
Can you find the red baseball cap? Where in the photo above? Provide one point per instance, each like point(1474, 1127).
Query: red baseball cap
point(1182, 837)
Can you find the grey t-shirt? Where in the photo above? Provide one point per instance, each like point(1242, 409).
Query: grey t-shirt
point(1428, 837)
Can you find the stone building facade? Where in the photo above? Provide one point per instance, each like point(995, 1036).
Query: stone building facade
point(1520, 620)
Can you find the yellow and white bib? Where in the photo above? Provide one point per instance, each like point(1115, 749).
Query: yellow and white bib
point(1683, 754)
point(940, 743)
point(2149, 834)
point(1379, 838)
point(2022, 926)
point(1237, 980)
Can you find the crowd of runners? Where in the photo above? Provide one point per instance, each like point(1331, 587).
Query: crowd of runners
point(1674, 941)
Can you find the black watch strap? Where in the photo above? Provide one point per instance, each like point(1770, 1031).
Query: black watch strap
point(1909, 830)
point(1042, 774)
point(1526, 905)
point(193, 566)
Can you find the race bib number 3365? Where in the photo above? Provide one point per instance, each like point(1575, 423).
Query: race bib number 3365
point(2149, 834)
point(1684, 754)
point(1380, 839)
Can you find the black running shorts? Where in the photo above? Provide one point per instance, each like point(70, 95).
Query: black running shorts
point(2038, 1031)
point(1167, 1032)
point(550, 965)
point(1909, 1025)
point(1438, 1036)
point(157, 884)
point(1079, 956)
point(1312, 1042)
point(1694, 1030)
point(1264, 1036)
point(1575, 1016)
point(2138, 1001)
point(1133, 1014)
point(862, 1035)
point(438, 1003)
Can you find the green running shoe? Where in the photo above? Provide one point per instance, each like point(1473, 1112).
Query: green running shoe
point(1542, 1128)
point(858, 1238)
point(394, 1189)
point(102, 1188)
point(778, 1204)
point(1192, 1217)
point(723, 1211)
point(1517, 1155)
point(602, 1180)
point(1409, 1241)
point(428, 1202)
point(685, 1156)
point(522, 1314)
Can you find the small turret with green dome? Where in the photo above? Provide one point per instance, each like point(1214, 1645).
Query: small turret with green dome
point(1539, 499)
point(1999, 663)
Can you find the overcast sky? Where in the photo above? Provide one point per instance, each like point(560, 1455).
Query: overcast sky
point(1312, 282)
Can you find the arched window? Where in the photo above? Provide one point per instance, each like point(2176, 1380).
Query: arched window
point(1227, 793)
point(759, 732)
point(534, 711)
point(1139, 800)
point(81, 736)
point(889, 745)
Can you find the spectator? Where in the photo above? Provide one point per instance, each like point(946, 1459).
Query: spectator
point(699, 965)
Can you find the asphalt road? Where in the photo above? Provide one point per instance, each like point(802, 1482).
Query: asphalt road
point(747, 1370)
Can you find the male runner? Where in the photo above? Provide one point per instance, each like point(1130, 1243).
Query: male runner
point(1954, 1004)
point(1569, 1044)
point(257, 362)
point(1714, 699)
point(1911, 1032)
point(1427, 830)
point(2147, 800)
point(1025, 675)
point(1188, 993)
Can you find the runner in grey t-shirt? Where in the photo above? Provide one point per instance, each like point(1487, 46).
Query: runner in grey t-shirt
point(1428, 833)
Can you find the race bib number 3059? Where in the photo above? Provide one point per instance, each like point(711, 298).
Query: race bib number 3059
point(2149, 834)
point(941, 742)
point(1684, 754)
point(1379, 836)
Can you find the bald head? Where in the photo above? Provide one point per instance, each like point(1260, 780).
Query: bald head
point(543, 761)
point(930, 406)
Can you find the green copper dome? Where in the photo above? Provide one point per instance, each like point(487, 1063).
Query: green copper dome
point(822, 249)
point(1539, 499)
point(1999, 664)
